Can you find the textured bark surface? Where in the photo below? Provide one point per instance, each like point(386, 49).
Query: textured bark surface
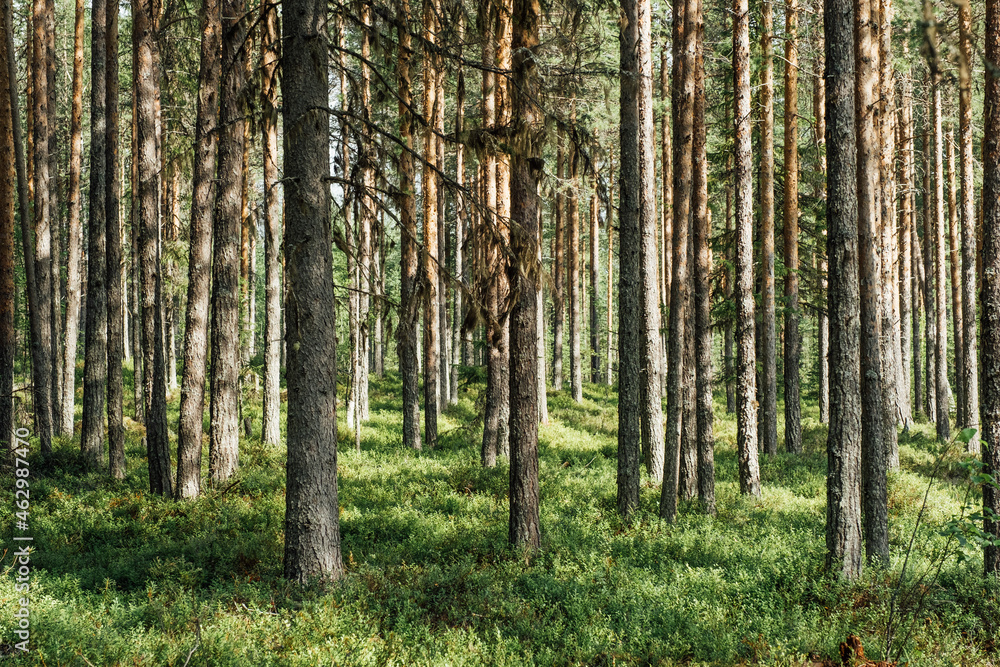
point(609, 217)
point(41, 362)
point(942, 393)
point(989, 298)
point(701, 242)
point(74, 235)
point(7, 199)
point(635, 129)
point(312, 524)
point(409, 312)
point(487, 238)
point(200, 259)
point(843, 490)
point(593, 286)
point(793, 340)
point(768, 391)
point(524, 525)
point(558, 271)
point(970, 381)
point(906, 288)
point(823, 323)
point(95, 369)
point(873, 450)
point(746, 381)
point(223, 451)
point(573, 277)
point(270, 54)
point(115, 282)
point(928, 275)
point(147, 162)
point(682, 109)
point(956, 285)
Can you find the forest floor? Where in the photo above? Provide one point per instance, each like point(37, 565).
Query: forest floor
point(124, 577)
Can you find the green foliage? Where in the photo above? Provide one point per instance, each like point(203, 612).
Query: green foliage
point(126, 577)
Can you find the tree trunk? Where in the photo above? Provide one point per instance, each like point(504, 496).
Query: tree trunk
point(768, 390)
point(873, 408)
point(95, 369)
point(200, 260)
point(609, 212)
point(942, 392)
point(593, 288)
point(270, 55)
point(7, 196)
point(74, 237)
point(823, 324)
point(989, 304)
point(729, 360)
point(906, 291)
point(146, 92)
point(41, 365)
point(312, 526)
point(702, 234)
point(682, 109)
point(224, 443)
point(432, 381)
point(843, 487)
point(793, 342)
point(113, 276)
point(52, 154)
point(956, 285)
point(970, 380)
point(558, 271)
point(746, 381)
point(928, 276)
point(524, 527)
point(573, 274)
point(409, 311)
point(366, 221)
point(543, 400)
point(635, 216)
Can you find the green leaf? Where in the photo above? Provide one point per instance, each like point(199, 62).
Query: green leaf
point(967, 435)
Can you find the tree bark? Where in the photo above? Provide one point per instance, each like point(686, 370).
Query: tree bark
point(746, 381)
point(970, 380)
point(928, 275)
point(609, 221)
point(558, 270)
point(41, 365)
point(154, 394)
point(312, 524)
point(524, 527)
point(224, 443)
point(270, 55)
point(843, 490)
point(95, 369)
point(906, 290)
point(823, 325)
point(793, 342)
point(200, 259)
point(702, 233)
point(594, 286)
point(432, 380)
point(956, 285)
point(768, 390)
point(682, 110)
point(637, 228)
point(409, 312)
point(942, 392)
point(74, 237)
point(113, 248)
point(573, 274)
point(7, 197)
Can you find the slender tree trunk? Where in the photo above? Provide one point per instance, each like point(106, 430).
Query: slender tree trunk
point(746, 381)
point(729, 360)
point(593, 288)
point(432, 381)
point(543, 400)
point(637, 227)
point(7, 197)
point(906, 291)
point(113, 276)
point(95, 369)
point(928, 276)
point(52, 154)
point(74, 237)
point(956, 285)
point(558, 271)
point(200, 260)
point(312, 526)
point(768, 414)
point(682, 109)
point(989, 304)
point(666, 210)
point(366, 244)
point(702, 232)
point(823, 325)
point(609, 211)
point(941, 296)
point(224, 444)
point(461, 344)
point(146, 92)
point(793, 342)
point(873, 450)
point(573, 275)
point(524, 527)
point(970, 379)
point(138, 374)
point(843, 487)
point(885, 91)
point(409, 312)
point(270, 55)
point(41, 365)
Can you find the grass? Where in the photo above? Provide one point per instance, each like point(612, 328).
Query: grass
point(123, 577)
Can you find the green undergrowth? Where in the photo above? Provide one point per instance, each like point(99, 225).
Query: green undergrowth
point(124, 577)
